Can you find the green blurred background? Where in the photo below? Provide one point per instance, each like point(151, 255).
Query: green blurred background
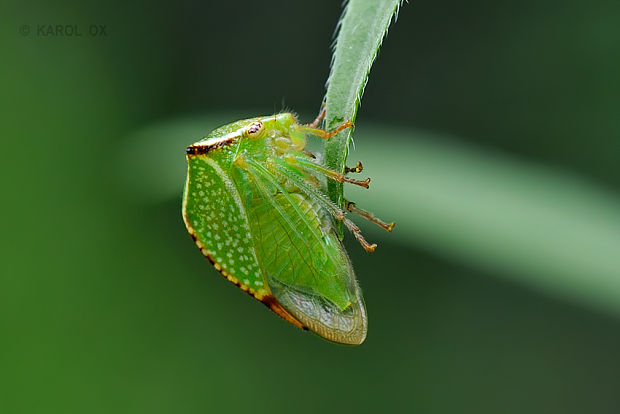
point(490, 130)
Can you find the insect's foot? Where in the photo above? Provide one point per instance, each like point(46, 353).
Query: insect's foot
point(357, 169)
point(362, 183)
point(370, 248)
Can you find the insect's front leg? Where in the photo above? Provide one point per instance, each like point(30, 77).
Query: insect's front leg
point(319, 118)
point(321, 133)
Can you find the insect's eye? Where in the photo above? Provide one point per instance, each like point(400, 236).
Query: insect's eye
point(255, 129)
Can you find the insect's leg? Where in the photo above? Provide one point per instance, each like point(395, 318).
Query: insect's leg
point(331, 174)
point(357, 169)
point(318, 119)
point(350, 206)
point(309, 190)
point(325, 134)
point(358, 235)
point(309, 154)
point(327, 203)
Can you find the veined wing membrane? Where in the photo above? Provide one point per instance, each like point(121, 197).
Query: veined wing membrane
point(306, 267)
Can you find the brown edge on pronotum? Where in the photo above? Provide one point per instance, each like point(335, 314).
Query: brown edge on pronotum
point(203, 149)
point(268, 300)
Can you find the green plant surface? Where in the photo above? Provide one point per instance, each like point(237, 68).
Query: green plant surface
point(361, 31)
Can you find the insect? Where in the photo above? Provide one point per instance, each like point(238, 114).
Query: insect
point(255, 204)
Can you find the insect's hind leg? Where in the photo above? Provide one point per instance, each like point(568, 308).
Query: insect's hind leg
point(358, 235)
point(350, 206)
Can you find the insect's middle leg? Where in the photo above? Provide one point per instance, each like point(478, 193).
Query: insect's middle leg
point(351, 207)
point(331, 174)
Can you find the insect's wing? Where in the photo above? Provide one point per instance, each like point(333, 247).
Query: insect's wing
point(319, 314)
point(307, 268)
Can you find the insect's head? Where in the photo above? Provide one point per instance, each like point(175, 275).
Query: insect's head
point(252, 129)
point(261, 127)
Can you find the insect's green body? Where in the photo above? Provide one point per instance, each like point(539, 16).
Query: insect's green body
point(256, 207)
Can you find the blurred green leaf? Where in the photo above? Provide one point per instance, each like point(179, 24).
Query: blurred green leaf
point(363, 26)
point(543, 227)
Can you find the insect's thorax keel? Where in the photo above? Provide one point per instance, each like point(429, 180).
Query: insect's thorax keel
point(217, 221)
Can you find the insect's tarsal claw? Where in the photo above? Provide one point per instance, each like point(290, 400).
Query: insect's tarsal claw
point(366, 183)
point(357, 169)
point(391, 226)
point(371, 248)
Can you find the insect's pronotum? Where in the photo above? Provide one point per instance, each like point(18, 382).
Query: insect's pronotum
point(255, 204)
